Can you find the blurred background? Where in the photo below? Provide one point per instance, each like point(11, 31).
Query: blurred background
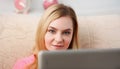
point(82, 7)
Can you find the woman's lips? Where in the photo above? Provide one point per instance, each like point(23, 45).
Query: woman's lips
point(58, 45)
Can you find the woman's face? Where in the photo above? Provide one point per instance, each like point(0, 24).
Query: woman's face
point(59, 34)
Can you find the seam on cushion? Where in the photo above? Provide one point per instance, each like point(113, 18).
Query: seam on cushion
point(88, 32)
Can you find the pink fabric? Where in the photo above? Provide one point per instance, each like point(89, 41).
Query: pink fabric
point(22, 63)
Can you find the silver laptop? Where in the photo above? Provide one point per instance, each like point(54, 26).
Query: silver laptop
point(80, 59)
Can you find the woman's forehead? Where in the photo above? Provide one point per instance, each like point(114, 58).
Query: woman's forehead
point(62, 22)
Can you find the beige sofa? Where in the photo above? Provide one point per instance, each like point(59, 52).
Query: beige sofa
point(17, 33)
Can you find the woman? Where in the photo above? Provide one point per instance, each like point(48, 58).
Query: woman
point(57, 30)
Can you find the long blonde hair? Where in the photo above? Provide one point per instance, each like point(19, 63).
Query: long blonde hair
point(54, 12)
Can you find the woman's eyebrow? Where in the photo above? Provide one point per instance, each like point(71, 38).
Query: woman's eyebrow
point(52, 27)
point(69, 29)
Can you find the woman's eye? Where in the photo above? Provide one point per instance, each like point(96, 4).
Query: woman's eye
point(67, 33)
point(51, 31)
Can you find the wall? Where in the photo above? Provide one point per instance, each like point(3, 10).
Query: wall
point(82, 7)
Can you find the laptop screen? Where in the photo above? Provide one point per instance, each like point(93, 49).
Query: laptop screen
point(80, 59)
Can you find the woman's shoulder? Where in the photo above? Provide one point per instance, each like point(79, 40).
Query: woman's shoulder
point(24, 62)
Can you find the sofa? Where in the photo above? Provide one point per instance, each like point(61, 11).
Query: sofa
point(17, 34)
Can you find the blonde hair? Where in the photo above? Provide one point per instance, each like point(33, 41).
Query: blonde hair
point(54, 12)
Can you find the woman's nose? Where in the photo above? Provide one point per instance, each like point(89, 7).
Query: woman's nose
point(58, 38)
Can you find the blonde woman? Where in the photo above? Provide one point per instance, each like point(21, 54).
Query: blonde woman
point(57, 30)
